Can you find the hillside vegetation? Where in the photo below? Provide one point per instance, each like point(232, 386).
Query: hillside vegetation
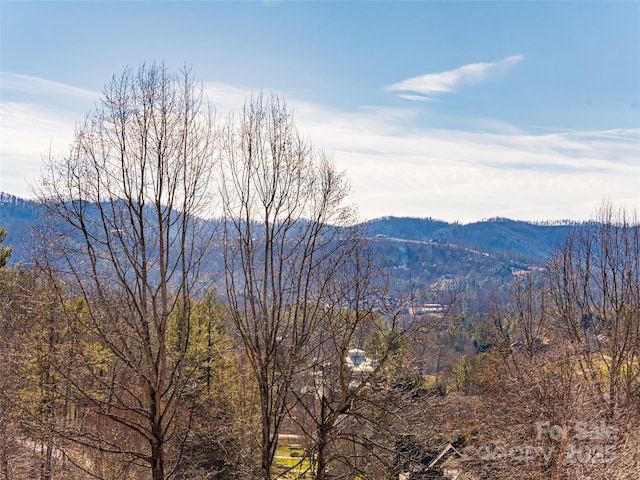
point(140, 338)
point(422, 253)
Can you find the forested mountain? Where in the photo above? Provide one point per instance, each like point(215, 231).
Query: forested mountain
point(420, 252)
point(17, 215)
point(524, 241)
point(531, 240)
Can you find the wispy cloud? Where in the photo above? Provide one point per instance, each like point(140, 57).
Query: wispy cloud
point(465, 176)
point(426, 86)
point(40, 86)
point(36, 116)
point(29, 132)
point(398, 167)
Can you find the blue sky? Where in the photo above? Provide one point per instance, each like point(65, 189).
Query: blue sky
point(453, 110)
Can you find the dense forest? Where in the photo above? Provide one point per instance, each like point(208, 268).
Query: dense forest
point(192, 298)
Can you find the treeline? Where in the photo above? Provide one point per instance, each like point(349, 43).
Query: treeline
point(124, 357)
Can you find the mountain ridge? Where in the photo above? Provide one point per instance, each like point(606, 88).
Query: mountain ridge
point(532, 239)
point(419, 253)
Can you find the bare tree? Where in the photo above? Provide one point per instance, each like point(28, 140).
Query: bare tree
point(349, 354)
point(284, 243)
point(595, 281)
point(129, 242)
point(532, 311)
point(566, 375)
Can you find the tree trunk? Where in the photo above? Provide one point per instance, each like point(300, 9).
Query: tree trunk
point(321, 460)
point(157, 461)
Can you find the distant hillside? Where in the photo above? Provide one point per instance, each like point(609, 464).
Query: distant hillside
point(420, 254)
point(533, 241)
point(477, 259)
point(17, 215)
point(407, 228)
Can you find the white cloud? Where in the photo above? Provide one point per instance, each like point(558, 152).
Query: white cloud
point(397, 167)
point(30, 129)
point(227, 98)
point(435, 83)
point(42, 87)
point(466, 176)
point(417, 98)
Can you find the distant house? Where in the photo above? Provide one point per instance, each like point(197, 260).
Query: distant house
point(358, 362)
point(428, 309)
point(444, 465)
